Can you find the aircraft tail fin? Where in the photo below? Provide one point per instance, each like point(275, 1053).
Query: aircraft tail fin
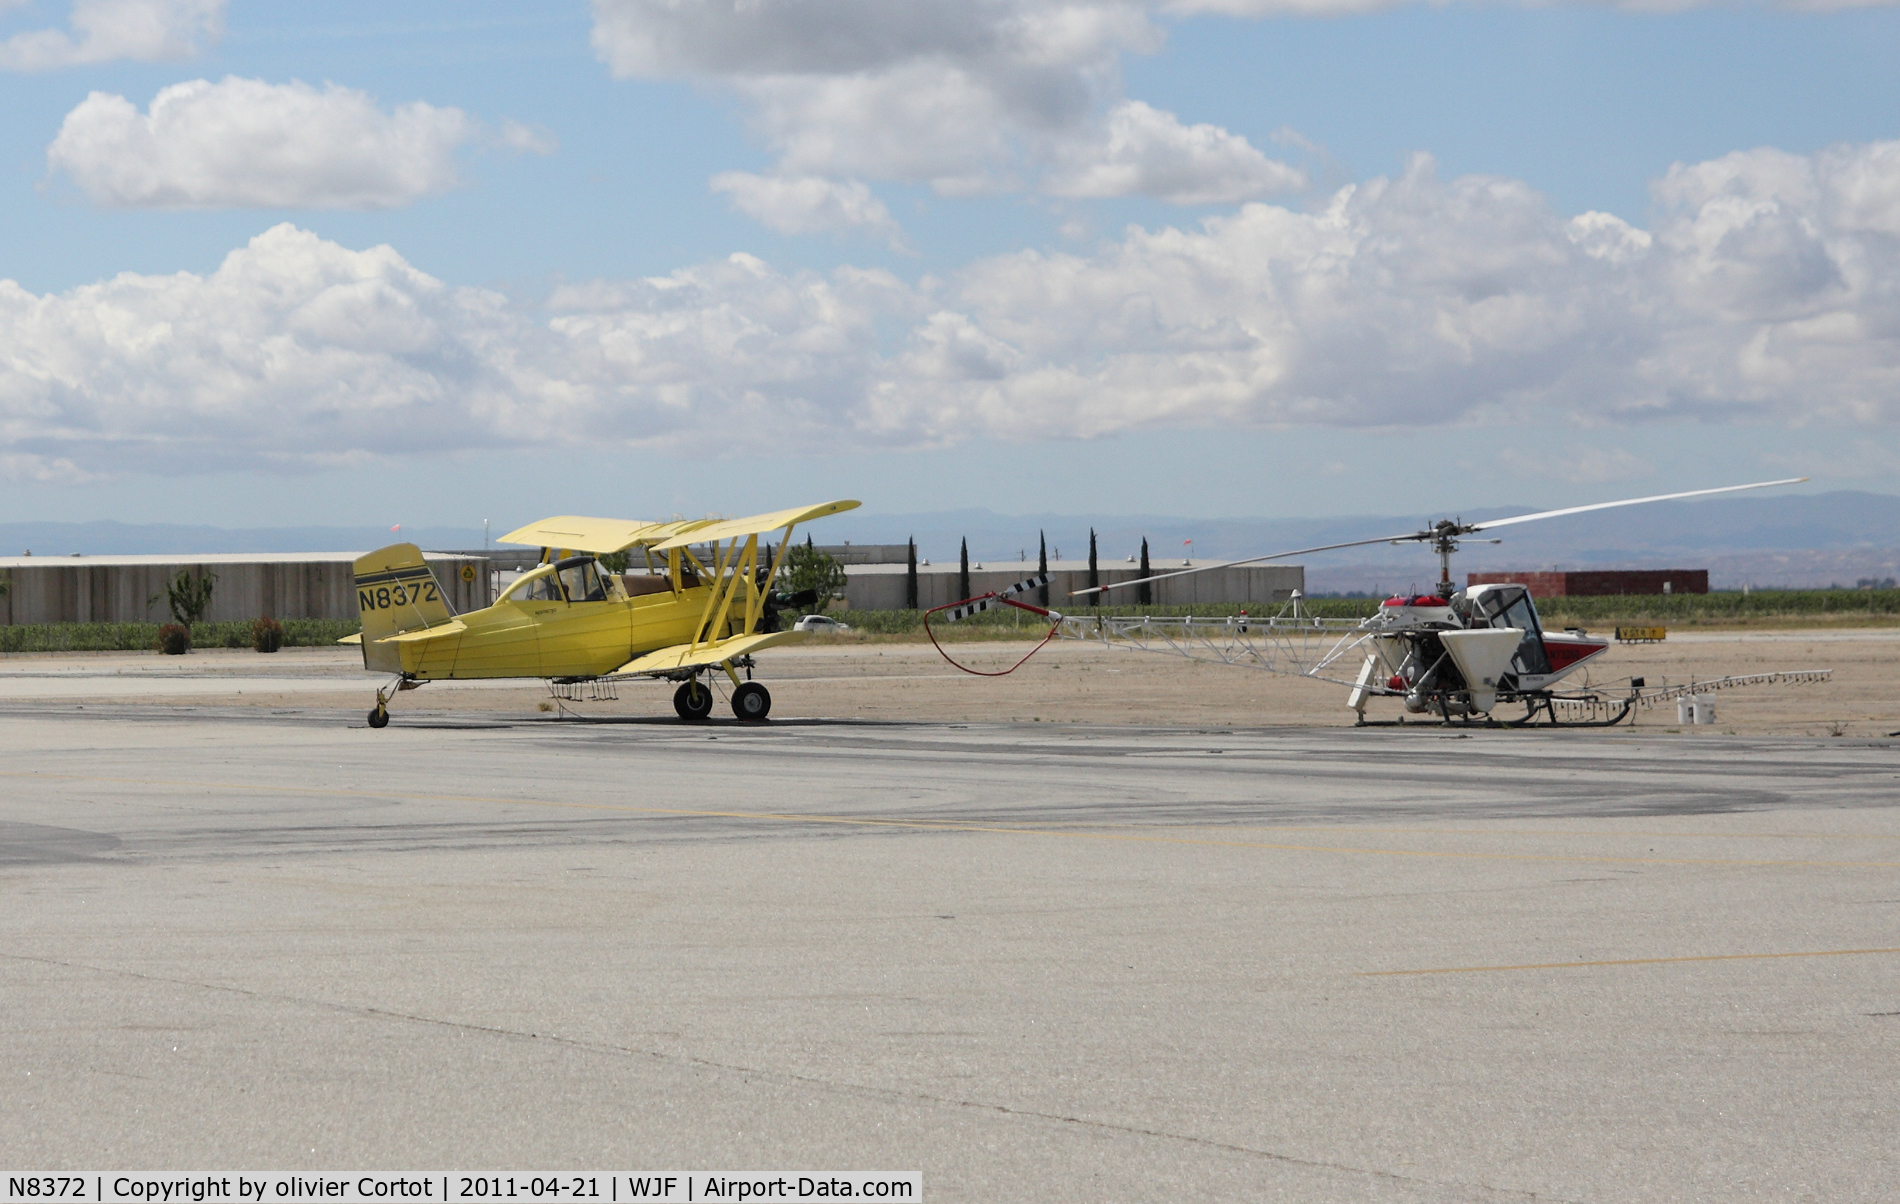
point(395, 593)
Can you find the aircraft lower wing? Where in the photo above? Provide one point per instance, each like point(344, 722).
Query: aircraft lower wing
point(688, 656)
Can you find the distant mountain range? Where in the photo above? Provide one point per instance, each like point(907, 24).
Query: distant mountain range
point(1796, 540)
point(125, 539)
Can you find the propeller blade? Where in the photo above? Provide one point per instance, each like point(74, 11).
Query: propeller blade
point(1635, 501)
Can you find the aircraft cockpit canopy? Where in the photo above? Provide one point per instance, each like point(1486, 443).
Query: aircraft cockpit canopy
point(1510, 605)
point(541, 587)
point(580, 577)
point(574, 579)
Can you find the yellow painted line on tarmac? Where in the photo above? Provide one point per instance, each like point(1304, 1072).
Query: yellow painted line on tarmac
point(943, 825)
point(1629, 961)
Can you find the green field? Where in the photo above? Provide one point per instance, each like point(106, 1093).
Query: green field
point(1756, 609)
point(122, 637)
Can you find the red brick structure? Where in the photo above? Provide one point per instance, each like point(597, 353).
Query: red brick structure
point(1597, 584)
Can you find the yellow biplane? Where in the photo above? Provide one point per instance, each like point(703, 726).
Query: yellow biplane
point(570, 620)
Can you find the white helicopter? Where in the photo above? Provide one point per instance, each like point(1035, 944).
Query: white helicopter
point(1455, 654)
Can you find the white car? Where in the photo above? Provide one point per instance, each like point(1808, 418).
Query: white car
point(820, 623)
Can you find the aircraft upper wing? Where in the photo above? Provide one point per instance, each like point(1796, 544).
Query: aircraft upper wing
point(599, 536)
point(739, 527)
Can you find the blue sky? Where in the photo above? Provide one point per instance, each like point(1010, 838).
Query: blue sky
point(1091, 257)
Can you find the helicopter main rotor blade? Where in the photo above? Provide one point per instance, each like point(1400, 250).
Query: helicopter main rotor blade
point(1426, 536)
point(1228, 564)
point(1635, 501)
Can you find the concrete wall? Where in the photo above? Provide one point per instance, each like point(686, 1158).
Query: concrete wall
point(881, 587)
point(128, 590)
point(865, 553)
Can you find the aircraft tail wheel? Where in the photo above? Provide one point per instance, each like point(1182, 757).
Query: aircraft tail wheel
point(751, 701)
point(379, 717)
point(693, 700)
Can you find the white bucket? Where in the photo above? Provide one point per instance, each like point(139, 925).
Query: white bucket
point(1695, 709)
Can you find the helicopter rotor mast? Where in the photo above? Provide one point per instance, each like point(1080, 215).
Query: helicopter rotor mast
point(1445, 542)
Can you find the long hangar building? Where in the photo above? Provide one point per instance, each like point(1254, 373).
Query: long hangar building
point(319, 585)
point(282, 585)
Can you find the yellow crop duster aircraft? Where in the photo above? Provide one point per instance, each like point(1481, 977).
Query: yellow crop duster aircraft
point(570, 619)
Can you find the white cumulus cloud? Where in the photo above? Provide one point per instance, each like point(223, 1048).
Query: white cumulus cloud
point(40, 470)
point(969, 96)
point(245, 142)
point(103, 30)
point(299, 351)
point(808, 204)
point(1763, 291)
point(1146, 152)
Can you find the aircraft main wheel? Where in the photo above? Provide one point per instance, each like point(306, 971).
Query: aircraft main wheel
point(693, 701)
point(751, 701)
point(379, 717)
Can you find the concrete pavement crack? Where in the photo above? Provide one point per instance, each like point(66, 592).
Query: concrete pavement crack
point(858, 1089)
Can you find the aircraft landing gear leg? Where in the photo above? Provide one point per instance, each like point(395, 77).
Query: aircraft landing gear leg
point(379, 715)
point(692, 700)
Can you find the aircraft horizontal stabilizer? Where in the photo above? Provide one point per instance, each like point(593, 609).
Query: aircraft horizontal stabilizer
point(688, 656)
point(439, 631)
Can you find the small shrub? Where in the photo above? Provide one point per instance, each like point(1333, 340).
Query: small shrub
point(234, 635)
point(267, 635)
point(189, 597)
point(174, 639)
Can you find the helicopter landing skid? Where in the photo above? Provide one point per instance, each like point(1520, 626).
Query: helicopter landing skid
point(1602, 712)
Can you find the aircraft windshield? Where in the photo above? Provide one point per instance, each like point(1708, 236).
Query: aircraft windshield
point(1518, 611)
point(582, 580)
point(542, 589)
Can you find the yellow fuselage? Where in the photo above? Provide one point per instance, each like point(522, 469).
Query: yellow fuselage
point(544, 638)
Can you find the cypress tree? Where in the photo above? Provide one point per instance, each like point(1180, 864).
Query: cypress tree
point(963, 572)
point(910, 576)
point(1042, 566)
point(1095, 577)
point(1146, 590)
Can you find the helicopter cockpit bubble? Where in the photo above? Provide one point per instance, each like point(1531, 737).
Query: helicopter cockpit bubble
point(1510, 605)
